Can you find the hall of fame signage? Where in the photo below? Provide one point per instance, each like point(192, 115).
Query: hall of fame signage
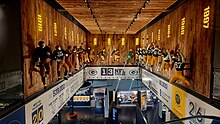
point(112, 73)
point(161, 88)
point(43, 108)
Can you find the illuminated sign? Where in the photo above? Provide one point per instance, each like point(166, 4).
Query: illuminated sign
point(109, 41)
point(168, 31)
point(40, 22)
point(72, 36)
point(95, 41)
point(123, 41)
point(65, 33)
point(77, 37)
point(137, 41)
point(206, 17)
point(183, 26)
point(55, 29)
point(158, 37)
point(152, 36)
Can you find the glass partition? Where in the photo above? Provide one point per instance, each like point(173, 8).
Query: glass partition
point(11, 88)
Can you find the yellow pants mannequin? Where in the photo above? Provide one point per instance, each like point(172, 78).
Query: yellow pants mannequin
point(165, 65)
point(178, 75)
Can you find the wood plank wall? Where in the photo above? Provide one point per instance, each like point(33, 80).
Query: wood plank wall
point(196, 42)
point(30, 9)
point(116, 43)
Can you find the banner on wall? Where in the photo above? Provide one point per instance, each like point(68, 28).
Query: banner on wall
point(181, 103)
point(112, 73)
point(42, 109)
point(195, 106)
point(161, 88)
point(178, 102)
point(114, 115)
point(16, 117)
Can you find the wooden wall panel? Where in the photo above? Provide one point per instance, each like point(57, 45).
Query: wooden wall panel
point(31, 35)
point(116, 43)
point(195, 44)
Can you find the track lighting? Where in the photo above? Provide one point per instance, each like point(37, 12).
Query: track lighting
point(143, 6)
point(92, 14)
point(138, 13)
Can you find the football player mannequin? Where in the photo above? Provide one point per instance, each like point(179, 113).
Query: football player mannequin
point(116, 55)
point(150, 49)
point(68, 59)
point(167, 60)
point(86, 53)
point(102, 55)
point(160, 59)
point(91, 56)
point(59, 55)
point(144, 52)
point(140, 55)
point(130, 56)
point(156, 52)
point(81, 56)
point(179, 64)
point(75, 57)
point(137, 55)
point(42, 58)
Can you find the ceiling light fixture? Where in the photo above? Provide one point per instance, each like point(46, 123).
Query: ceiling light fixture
point(93, 15)
point(138, 13)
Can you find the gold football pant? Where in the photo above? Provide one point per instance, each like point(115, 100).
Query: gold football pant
point(149, 59)
point(62, 64)
point(165, 65)
point(116, 57)
point(70, 65)
point(102, 58)
point(145, 58)
point(178, 76)
point(153, 60)
point(45, 68)
point(91, 58)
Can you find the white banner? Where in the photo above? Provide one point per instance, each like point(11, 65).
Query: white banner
point(193, 105)
point(42, 109)
point(112, 73)
point(161, 88)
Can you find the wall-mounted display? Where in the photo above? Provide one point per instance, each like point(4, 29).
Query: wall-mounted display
point(186, 45)
point(54, 29)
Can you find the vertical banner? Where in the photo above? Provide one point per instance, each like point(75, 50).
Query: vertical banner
point(99, 103)
point(114, 115)
point(178, 102)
